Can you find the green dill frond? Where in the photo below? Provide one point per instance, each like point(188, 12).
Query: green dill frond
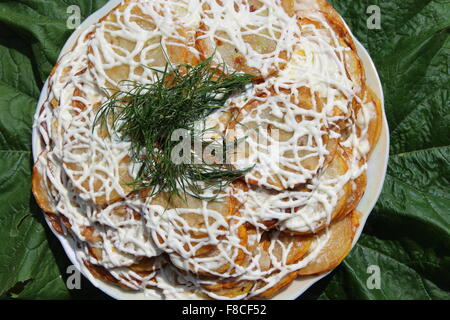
point(146, 115)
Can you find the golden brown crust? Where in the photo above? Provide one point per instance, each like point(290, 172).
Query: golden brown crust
point(40, 191)
point(229, 289)
point(338, 166)
point(358, 187)
point(283, 283)
point(341, 235)
point(344, 219)
point(43, 198)
point(375, 123)
point(103, 274)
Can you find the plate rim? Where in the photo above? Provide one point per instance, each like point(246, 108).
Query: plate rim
point(119, 294)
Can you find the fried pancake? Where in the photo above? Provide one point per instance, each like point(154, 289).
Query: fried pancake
point(275, 251)
point(309, 99)
point(375, 122)
point(128, 43)
point(204, 237)
point(255, 48)
point(282, 135)
point(119, 237)
point(227, 288)
point(117, 59)
point(339, 243)
point(41, 188)
point(283, 283)
point(302, 211)
point(334, 185)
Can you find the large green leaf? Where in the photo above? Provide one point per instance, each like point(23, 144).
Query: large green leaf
point(408, 234)
point(43, 24)
point(26, 261)
point(32, 263)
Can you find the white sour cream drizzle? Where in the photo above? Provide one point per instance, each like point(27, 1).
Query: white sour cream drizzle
point(116, 229)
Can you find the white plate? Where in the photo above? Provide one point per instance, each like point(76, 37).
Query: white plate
point(376, 172)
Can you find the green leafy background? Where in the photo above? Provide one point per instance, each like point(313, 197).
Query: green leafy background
point(407, 235)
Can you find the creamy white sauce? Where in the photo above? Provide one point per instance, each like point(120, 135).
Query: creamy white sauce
point(82, 165)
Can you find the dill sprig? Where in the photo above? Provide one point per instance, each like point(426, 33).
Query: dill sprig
point(146, 115)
